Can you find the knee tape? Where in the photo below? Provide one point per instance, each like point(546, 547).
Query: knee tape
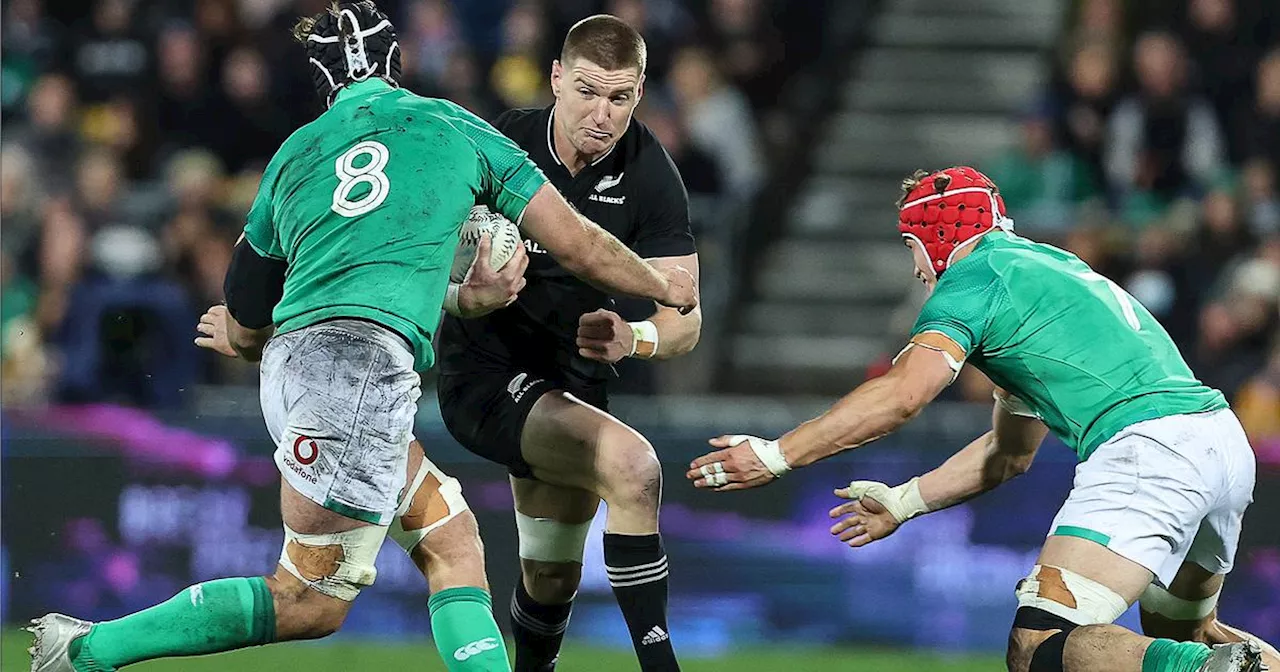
point(337, 565)
point(548, 540)
point(431, 500)
point(1157, 600)
point(1070, 596)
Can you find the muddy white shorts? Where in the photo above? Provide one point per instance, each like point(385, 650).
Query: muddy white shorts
point(1164, 491)
point(339, 399)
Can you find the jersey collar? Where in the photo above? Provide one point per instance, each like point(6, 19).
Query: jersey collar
point(551, 141)
point(368, 87)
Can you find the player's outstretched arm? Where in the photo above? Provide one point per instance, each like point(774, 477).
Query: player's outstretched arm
point(597, 257)
point(605, 337)
point(877, 510)
point(876, 408)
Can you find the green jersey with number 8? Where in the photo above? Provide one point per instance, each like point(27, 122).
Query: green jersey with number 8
point(1085, 356)
point(365, 203)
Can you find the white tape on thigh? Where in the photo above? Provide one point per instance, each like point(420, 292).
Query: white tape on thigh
point(1094, 602)
point(432, 500)
point(337, 565)
point(1157, 600)
point(549, 540)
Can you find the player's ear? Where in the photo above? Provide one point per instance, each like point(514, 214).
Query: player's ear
point(640, 89)
point(557, 73)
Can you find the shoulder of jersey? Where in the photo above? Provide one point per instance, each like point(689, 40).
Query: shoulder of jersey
point(517, 120)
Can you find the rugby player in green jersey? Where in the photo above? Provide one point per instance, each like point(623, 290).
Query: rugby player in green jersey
point(343, 268)
point(1165, 470)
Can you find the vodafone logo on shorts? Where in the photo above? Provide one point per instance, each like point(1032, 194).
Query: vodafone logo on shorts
point(305, 450)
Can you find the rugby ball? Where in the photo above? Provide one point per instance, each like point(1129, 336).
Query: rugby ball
point(504, 238)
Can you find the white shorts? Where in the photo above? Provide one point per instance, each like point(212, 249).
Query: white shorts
point(339, 399)
point(1165, 491)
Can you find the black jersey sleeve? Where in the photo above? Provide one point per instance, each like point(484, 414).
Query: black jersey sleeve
point(663, 228)
point(253, 286)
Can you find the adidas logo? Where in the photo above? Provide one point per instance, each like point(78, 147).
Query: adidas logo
point(657, 634)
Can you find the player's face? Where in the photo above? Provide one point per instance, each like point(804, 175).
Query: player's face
point(924, 272)
point(594, 105)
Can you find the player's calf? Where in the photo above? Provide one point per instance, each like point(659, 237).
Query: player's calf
point(436, 528)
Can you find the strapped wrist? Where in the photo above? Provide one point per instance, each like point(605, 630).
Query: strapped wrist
point(451, 299)
point(644, 339)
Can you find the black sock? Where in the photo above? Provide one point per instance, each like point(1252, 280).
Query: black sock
point(538, 630)
point(637, 568)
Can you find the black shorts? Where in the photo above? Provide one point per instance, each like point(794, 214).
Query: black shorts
point(485, 411)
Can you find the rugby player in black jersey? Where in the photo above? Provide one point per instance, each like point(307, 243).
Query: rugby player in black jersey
point(526, 384)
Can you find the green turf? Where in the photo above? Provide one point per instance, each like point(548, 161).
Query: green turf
point(350, 657)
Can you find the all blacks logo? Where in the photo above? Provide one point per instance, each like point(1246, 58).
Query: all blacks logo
point(305, 450)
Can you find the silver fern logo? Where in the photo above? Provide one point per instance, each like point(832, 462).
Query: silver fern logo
point(608, 182)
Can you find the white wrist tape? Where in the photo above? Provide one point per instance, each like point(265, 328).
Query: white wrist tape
point(643, 333)
point(903, 502)
point(451, 299)
point(767, 451)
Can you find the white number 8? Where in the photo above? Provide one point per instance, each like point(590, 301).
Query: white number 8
point(370, 173)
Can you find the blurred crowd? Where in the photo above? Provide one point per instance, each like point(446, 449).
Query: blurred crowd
point(135, 133)
point(1154, 155)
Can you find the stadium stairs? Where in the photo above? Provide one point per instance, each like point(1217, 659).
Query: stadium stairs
point(933, 83)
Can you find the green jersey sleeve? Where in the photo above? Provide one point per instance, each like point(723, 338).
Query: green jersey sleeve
point(508, 177)
point(962, 306)
point(259, 228)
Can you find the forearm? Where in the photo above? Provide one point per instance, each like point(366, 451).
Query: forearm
point(871, 411)
point(677, 334)
point(974, 470)
point(248, 343)
point(600, 259)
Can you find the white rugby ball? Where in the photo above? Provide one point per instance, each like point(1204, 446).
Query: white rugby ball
point(504, 238)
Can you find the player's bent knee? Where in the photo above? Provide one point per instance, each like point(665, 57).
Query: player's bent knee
point(1167, 615)
point(429, 503)
point(631, 473)
point(337, 565)
point(1052, 602)
point(551, 582)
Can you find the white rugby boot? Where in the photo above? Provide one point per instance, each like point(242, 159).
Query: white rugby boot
point(53, 636)
point(1237, 657)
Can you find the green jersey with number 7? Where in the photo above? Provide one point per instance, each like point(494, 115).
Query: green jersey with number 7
point(365, 204)
point(1078, 351)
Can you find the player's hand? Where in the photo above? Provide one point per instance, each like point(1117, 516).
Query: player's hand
point(734, 468)
point(213, 324)
point(865, 520)
point(485, 290)
point(604, 336)
point(682, 291)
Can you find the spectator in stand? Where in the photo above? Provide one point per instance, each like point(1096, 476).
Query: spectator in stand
point(664, 25)
point(720, 121)
point(51, 136)
point(183, 96)
point(1163, 142)
point(1042, 183)
point(1260, 126)
point(1262, 198)
point(200, 234)
point(520, 73)
point(748, 49)
point(429, 39)
point(253, 126)
point(1083, 104)
point(1220, 238)
point(1224, 61)
point(1161, 281)
point(29, 45)
point(108, 55)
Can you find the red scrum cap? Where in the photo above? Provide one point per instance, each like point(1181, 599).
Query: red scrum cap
point(947, 210)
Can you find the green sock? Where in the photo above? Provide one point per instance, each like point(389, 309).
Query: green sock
point(465, 632)
point(1166, 655)
point(205, 618)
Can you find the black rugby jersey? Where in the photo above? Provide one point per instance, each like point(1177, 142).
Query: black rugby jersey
point(634, 191)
